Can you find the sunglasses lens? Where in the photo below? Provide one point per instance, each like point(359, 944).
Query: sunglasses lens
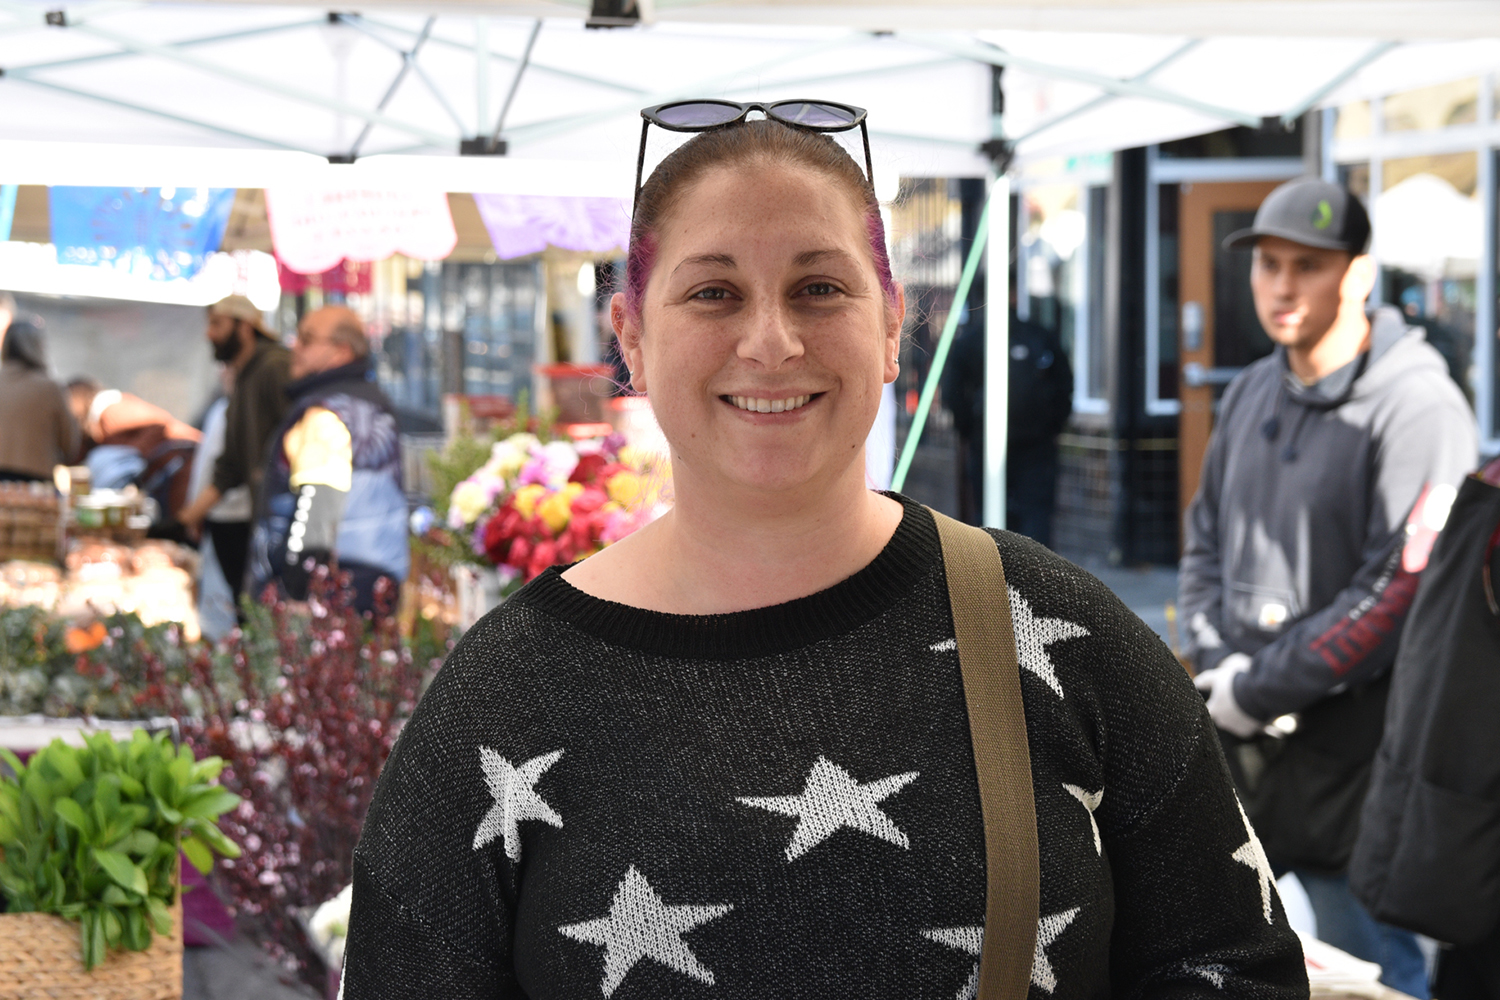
point(698, 114)
point(813, 114)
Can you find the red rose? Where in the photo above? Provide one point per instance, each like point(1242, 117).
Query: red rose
point(587, 468)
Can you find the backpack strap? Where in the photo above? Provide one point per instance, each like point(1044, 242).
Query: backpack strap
point(1002, 758)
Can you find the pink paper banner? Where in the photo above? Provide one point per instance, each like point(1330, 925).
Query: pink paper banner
point(313, 230)
point(526, 224)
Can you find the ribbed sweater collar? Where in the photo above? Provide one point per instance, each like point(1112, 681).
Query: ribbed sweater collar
point(768, 631)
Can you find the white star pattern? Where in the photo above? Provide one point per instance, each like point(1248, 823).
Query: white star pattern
point(1213, 973)
point(1252, 854)
point(946, 646)
point(832, 799)
point(1034, 635)
point(1047, 931)
point(1090, 801)
point(640, 925)
point(514, 792)
point(970, 941)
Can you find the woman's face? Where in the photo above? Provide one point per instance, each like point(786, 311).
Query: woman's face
point(764, 336)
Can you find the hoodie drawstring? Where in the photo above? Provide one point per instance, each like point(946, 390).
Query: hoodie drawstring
point(1271, 429)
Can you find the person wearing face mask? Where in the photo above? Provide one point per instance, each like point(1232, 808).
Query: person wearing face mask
point(237, 336)
point(1294, 581)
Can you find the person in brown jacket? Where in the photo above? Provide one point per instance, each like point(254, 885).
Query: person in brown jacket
point(37, 432)
point(165, 444)
point(238, 337)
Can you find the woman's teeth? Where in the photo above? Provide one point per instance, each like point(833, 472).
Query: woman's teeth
point(769, 405)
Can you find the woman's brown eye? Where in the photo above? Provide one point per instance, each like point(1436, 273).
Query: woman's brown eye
point(820, 288)
point(711, 294)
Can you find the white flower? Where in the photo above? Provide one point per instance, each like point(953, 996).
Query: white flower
point(507, 457)
point(330, 925)
point(470, 499)
point(560, 458)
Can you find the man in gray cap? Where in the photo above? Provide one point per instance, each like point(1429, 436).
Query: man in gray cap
point(1295, 578)
point(238, 337)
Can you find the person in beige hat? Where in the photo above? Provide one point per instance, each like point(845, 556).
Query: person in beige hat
point(238, 337)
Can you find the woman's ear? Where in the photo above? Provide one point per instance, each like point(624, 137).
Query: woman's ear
point(895, 319)
point(627, 327)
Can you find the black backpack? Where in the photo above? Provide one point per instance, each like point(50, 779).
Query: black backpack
point(1428, 853)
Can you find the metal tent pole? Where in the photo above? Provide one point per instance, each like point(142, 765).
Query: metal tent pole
point(996, 352)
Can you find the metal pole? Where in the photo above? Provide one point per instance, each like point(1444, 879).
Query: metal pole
point(408, 60)
point(481, 75)
point(515, 84)
point(996, 352)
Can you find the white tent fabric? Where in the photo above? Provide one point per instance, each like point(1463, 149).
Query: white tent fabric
point(286, 77)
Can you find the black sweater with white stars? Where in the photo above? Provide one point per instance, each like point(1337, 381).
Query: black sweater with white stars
point(594, 800)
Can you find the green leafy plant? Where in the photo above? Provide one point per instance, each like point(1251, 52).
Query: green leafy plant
point(91, 833)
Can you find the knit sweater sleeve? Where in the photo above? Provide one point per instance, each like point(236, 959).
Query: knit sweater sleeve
point(431, 915)
point(1196, 908)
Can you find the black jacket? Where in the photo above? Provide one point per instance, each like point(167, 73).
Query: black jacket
point(1428, 854)
point(256, 407)
point(1040, 382)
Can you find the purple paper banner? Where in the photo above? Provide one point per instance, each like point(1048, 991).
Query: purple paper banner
point(527, 224)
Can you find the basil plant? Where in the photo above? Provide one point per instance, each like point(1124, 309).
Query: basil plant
point(92, 833)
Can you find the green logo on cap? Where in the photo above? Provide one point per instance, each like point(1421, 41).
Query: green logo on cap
point(1322, 216)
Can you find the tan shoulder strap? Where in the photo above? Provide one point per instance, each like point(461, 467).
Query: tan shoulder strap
point(997, 725)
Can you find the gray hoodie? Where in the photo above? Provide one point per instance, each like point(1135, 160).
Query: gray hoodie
point(1293, 547)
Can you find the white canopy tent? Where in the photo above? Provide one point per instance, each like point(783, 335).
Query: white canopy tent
point(254, 94)
point(406, 78)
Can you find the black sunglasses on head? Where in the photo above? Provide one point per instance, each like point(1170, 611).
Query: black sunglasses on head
point(711, 113)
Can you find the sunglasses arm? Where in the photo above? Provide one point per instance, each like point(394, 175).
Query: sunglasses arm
point(864, 133)
point(640, 162)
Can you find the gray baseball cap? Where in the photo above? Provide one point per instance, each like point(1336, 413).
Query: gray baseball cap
point(1311, 212)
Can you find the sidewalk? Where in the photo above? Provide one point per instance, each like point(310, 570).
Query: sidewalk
point(237, 970)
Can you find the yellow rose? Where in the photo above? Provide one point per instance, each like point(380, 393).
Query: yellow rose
point(557, 509)
point(526, 499)
point(624, 487)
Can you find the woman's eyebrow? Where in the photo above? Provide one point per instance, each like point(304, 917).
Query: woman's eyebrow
point(808, 257)
point(710, 259)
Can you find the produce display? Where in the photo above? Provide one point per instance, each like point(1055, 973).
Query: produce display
point(151, 579)
point(29, 521)
point(91, 834)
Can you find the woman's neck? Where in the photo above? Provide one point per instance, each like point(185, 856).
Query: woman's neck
point(715, 554)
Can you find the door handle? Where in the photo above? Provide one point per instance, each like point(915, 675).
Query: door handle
point(1196, 375)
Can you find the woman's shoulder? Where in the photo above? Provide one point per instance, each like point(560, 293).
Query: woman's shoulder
point(1048, 584)
point(1073, 631)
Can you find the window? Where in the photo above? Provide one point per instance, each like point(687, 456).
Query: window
point(1163, 311)
point(1429, 240)
point(1453, 103)
point(1354, 121)
point(1061, 237)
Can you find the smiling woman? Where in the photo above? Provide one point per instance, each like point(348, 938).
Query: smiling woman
point(731, 754)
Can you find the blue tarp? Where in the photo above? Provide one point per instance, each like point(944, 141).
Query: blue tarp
point(161, 233)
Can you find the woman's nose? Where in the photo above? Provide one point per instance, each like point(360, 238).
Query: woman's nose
point(770, 338)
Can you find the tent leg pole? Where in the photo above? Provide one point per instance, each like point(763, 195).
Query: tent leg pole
point(997, 353)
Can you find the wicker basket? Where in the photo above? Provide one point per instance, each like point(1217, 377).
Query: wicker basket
point(41, 960)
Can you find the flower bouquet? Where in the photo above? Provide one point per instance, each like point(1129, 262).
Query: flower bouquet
point(533, 504)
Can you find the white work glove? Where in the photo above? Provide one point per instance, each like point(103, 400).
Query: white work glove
point(1222, 708)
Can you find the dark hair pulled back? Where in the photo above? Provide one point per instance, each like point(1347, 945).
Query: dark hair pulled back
point(762, 142)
